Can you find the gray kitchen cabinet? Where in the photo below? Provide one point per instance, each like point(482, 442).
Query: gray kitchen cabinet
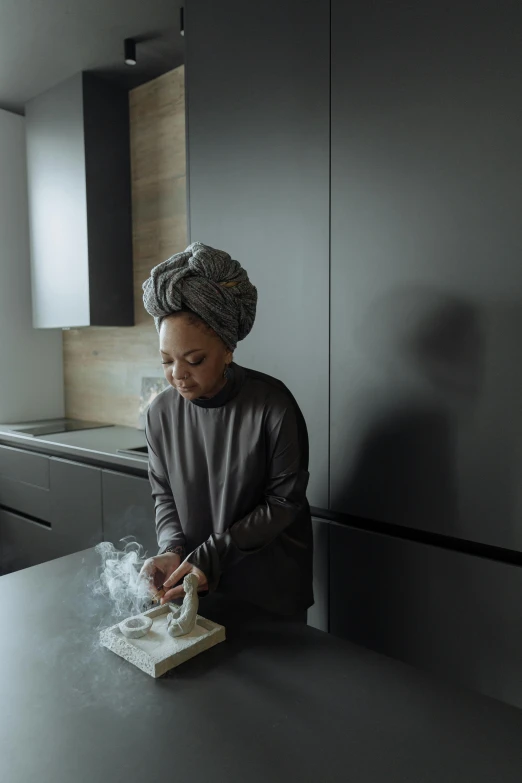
point(78, 166)
point(318, 614)
point(426, 183)
point(25, 482)
point(128, 510)
point(23, 542)
point(258, 170)
point(76, 506)
point(451, 613)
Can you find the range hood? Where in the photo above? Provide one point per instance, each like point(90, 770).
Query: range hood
point(78, 167)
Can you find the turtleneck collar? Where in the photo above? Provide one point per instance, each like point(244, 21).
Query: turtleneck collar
point(236, 376)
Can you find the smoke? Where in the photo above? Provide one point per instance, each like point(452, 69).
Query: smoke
point(119, 578)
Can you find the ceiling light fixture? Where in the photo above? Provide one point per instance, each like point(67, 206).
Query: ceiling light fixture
point(129, 46)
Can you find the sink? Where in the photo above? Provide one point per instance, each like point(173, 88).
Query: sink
point(137, 451)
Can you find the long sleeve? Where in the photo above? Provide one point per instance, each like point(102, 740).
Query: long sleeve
point(168, 526)
point(283, 503)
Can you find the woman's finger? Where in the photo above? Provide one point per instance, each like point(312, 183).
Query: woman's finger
point(176, 575)
point(176, 592)
point(179, 590)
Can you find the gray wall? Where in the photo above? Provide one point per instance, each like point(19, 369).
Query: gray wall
point(258, 136)
point(426, 267)
point(31, 376)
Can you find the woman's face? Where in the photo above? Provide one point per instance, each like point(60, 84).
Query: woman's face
point(194, 358)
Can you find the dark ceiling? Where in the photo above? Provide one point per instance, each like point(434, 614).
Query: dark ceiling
point(43, 42)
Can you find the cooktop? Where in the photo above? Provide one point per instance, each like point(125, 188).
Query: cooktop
point(58, 426)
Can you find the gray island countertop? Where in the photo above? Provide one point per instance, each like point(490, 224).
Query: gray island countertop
point(277, 701)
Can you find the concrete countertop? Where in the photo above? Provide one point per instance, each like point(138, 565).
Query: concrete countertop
point(277, 701)
point(93, 446)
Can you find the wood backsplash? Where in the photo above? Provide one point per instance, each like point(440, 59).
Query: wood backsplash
point(103, 367)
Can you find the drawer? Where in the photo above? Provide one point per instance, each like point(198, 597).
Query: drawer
point(24, 466)
point(23, 543)
point(25, 482)
point(454, 614)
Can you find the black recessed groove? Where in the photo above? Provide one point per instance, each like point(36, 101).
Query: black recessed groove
point(474, 548)
point(27, 517)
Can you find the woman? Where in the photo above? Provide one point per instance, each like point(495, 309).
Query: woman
point(228, 446)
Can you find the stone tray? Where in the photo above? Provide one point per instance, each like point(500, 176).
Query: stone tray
point(157, 652)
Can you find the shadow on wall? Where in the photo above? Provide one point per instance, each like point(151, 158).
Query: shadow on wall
point(436, 437)
point(439, 449)
point(427, 348)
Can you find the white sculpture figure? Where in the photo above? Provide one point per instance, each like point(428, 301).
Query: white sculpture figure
point(183, 619)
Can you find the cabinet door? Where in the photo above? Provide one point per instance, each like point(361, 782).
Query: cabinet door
point(128, 510)
point(23, 543)
point(24, 482)
point(426, 378)
point(38, 393)
point(78, 165)
point(76, 505)
point(451, 613)
point(258, 163)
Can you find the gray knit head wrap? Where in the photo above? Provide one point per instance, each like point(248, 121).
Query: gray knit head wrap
point(209, 283)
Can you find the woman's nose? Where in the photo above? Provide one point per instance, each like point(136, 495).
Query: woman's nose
point(178, 372)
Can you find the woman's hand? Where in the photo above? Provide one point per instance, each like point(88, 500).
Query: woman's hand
point(158, 569)
point(179, 574)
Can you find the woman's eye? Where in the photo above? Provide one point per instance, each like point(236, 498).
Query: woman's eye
point(192, 364)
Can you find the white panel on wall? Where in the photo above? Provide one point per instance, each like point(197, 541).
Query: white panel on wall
point(31, 374)
point(58, 206)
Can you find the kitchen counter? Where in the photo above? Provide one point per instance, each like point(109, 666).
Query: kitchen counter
point(277, 701)
point(95, 446)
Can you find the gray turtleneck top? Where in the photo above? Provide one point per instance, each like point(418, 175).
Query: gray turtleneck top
point(229, 478)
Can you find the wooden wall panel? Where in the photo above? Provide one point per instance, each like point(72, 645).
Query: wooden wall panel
point(103, 367)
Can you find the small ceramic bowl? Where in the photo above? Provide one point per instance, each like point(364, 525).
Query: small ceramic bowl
point(135, 627)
